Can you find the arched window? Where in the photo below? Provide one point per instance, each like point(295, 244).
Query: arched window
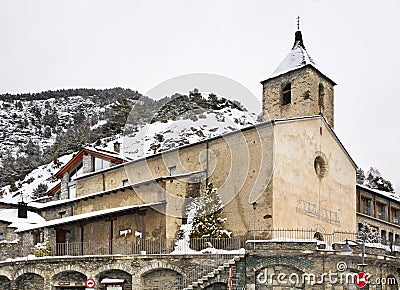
point(321, 94)
point(287, 94)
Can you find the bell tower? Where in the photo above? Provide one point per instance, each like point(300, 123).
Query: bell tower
point(298, 88)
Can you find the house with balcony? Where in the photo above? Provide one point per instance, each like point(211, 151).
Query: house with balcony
point(381, 211)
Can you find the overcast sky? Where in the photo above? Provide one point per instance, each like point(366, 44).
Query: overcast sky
point(139, 44)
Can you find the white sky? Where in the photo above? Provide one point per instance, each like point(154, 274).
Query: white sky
point(139, 44)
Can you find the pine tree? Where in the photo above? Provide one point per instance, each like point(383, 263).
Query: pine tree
point(40, 191)
point(375, 180)
point(360, 176)
point(209, 222)
point(368, 234)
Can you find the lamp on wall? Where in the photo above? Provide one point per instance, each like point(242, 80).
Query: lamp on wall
point(347, 250)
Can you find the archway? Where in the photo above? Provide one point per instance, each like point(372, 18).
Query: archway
point(29, 281)
point(216, 286)
point(114, 277)
point(391, 283)
point(69, 280)
point(162, 279)
point(5, 283)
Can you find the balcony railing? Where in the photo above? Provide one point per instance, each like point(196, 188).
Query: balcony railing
point(300, 235)
point(144, 247)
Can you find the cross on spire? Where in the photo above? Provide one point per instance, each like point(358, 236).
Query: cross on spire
point(298, 22)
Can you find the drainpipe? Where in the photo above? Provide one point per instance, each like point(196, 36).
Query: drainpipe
point(207, 163)
point(110, 236)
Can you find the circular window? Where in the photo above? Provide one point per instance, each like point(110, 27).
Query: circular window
point(320, 166)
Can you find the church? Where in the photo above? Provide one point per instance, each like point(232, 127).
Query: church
point(287, 174)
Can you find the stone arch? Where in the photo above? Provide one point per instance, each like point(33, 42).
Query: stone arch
point(116, 266)
point(391, 282)
point(216, 286)
point(71, 268)
point(216, 282)
point(29, 270)
point(76, 279)
point(154, 265)
point(5, 274)
point(114, 274)
point(5, 282)
point(28, 281)
point(162, 278)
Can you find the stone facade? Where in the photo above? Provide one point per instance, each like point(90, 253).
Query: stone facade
point(307, 96)
point(271, 264)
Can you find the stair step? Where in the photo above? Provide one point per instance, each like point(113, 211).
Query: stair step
point(211, 275)
point(237, 258)
point(232, 262)
point(216, 271)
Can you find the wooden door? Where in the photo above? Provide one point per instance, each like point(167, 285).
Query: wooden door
point(60, 242)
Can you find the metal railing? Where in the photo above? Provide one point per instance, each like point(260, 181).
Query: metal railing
point(146, 247)
point(305, 235)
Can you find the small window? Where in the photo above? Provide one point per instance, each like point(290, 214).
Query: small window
point(125, 182)
point(100, 163)
point(61, 214)
point(1, 236)
point(72, 191)
point(287, 94)
point(321, 94)
point(38, 237)
point(172, 170)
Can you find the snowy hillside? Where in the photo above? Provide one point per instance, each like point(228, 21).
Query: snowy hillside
point(161, 136)
point(178, 122)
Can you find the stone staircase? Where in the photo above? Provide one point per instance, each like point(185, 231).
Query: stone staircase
point(222, 268)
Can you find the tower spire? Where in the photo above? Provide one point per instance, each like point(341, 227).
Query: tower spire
point(298, 22)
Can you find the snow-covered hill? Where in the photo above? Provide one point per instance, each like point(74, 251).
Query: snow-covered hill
point(23, 121)
point(161, 136)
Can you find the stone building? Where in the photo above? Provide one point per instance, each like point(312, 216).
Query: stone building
point(118, 221)
point(381, 211)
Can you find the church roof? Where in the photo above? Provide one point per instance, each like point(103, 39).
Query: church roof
point(297, 57)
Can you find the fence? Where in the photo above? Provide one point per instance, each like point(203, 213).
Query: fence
point(300, 235)
point(146, 246)
point(192, 246)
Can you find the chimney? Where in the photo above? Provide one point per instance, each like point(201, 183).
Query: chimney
point(22, 210)
point(117, 147)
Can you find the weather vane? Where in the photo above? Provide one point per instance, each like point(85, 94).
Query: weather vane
point(298, 22)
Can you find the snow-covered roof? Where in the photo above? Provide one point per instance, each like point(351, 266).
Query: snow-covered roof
point(297, 57)
point(386, 194)
point(117, 158)
point(11, 216)
point(85, 216)
point(39, 205)
point(224, 135)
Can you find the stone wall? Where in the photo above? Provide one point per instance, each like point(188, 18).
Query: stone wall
point(9, 250)
point(173, 272)
point(304, 95)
